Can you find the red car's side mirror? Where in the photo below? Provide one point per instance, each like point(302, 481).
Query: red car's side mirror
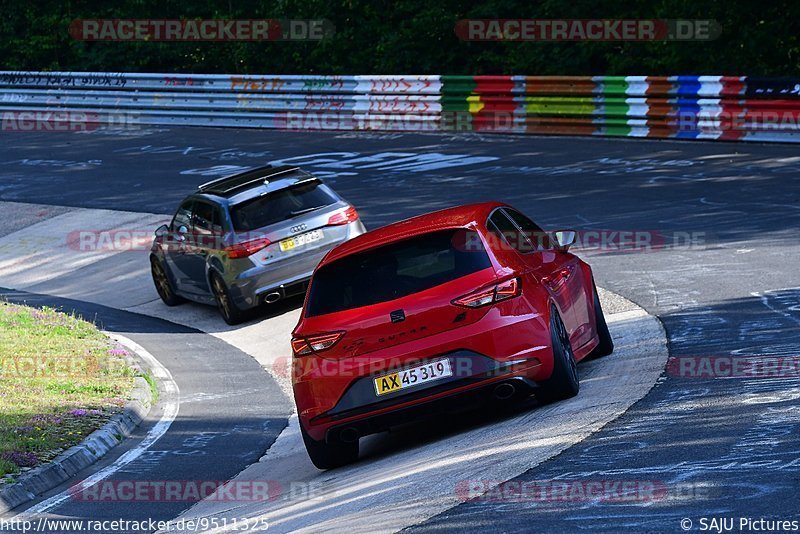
point(565, 238)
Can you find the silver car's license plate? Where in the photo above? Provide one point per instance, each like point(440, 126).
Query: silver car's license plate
point(300, 240)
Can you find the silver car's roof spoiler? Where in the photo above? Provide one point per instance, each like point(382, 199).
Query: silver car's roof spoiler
point(235, 182)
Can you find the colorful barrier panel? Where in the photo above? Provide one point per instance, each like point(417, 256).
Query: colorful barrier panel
point(682, 107)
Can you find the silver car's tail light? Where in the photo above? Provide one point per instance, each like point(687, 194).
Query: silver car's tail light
point(345, 216)
point(248, 248)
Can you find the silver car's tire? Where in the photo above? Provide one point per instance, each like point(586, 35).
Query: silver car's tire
point(227, 307)
point(163, 284)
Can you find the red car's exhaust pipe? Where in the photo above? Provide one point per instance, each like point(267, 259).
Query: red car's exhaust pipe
point(348, 435)
point(504, 391)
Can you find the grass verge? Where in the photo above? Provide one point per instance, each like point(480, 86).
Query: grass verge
point(60, 379)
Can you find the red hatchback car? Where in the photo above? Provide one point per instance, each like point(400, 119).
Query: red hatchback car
point(438, 313)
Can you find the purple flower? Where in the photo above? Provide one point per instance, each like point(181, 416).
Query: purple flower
point(46, 419)
point(20, 458)
point(118, 352)
point(78, 412)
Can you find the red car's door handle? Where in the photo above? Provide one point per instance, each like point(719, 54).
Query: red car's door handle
point(562, 275)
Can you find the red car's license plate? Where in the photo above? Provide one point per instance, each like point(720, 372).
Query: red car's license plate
point(413, 376)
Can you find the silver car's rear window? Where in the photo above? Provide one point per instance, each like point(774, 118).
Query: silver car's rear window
point(279, 206)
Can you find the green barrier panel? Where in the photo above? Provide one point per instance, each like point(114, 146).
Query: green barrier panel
point(611, 89)
point(455, 90)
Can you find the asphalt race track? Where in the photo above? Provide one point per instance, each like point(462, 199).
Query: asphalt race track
point(716, 261)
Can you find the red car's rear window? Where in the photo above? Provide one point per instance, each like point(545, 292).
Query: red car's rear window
point(396, 270)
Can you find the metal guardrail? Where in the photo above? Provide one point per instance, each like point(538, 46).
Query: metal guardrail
point(687, 107)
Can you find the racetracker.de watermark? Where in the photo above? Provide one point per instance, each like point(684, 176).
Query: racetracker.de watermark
point(13, 366)
point(398, 116)
point(587, 30)
point(600, 241)
point(117, 240)
point(66, 121)
point(200, 30)
point(197, 490)
point(734, 367)
point(608, 491)
point(735, 120)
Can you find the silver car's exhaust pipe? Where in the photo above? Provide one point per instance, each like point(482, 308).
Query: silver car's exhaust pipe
point(504, 391)
point(272, 297)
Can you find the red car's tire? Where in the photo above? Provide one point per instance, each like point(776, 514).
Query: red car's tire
point(606, 345)
point(329, 455)
point(564, 382)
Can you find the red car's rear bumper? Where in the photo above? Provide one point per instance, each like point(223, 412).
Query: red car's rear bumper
point(510, 343)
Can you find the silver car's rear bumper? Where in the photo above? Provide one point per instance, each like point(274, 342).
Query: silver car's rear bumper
point(286, 275)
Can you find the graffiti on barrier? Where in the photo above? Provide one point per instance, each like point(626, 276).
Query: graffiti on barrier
point(59, 80)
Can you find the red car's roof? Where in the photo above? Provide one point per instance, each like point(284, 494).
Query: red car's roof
point(457, 217)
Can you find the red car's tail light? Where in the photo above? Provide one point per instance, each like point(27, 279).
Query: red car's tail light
point(482, 297)
point(508, 289)
point(476, 299)
point(316, 343)
point(343, 217)
point(248, 248)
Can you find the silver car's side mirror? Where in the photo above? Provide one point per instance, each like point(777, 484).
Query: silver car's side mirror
point(161, 231)
point(565, 238)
